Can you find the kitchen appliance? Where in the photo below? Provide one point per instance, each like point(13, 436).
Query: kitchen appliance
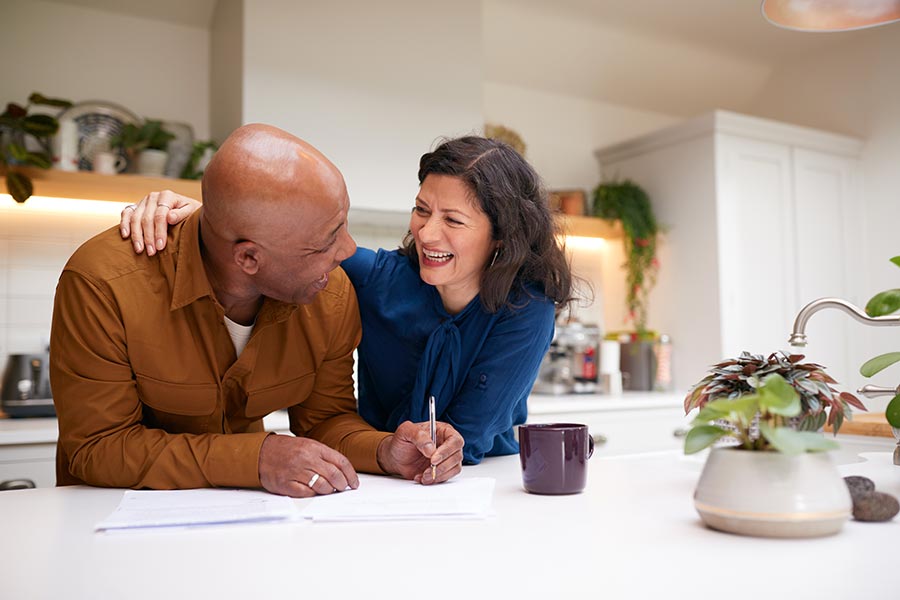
point(572, 363)
point(25, 387)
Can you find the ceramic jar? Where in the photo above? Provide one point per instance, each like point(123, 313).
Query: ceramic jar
point(771, 494)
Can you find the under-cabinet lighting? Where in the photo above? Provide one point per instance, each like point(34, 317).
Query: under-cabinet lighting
point(577, 242)
point(63, 205)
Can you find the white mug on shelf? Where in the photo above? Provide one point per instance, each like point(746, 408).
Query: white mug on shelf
point(107, 163)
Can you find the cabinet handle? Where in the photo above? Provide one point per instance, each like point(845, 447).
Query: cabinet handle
point(599, 439)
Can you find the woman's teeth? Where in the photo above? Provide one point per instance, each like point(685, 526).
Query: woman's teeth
point(438, 256)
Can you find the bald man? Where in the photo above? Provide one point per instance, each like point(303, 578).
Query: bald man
point(163, 366)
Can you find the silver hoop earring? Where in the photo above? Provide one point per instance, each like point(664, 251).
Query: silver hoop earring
point(493, 260)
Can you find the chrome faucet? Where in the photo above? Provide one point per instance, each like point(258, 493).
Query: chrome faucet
point(798, 338)
point(798, 335)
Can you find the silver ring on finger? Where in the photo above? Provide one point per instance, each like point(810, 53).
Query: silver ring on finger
point(313, 480)
point(131, 206)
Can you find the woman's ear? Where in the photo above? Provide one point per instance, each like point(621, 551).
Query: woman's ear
point(246, 256)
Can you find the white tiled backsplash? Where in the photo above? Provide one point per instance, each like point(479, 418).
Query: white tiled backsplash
point(34, 247)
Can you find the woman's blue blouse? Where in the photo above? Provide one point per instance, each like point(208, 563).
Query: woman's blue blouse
point(479, 366)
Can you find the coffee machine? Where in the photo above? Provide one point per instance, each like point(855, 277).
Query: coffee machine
point(571, 365)
point(25, 387)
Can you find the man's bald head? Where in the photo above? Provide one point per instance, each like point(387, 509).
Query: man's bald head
point(258, 175)
point(274, 219)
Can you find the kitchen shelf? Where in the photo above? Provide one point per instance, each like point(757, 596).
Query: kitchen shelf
point(84, 185)
point(590, 227)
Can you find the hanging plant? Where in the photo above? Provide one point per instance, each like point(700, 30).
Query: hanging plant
point(629, 203)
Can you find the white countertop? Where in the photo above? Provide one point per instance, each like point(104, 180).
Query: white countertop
point(44, 431)
point(633, 533)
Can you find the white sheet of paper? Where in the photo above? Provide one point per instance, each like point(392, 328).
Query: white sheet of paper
point(141, 509)
point(389, 498)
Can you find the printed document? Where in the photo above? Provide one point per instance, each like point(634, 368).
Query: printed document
point(389, 498)
point(141, 509)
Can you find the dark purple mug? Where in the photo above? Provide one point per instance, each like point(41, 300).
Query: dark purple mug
point(554, 457)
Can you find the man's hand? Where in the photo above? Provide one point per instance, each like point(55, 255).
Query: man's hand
point(288, 464)
point(410, 453)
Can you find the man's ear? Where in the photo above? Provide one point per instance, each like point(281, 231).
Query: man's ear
point(246, 256)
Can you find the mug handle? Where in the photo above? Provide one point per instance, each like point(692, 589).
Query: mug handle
point(121, 163)
point(590, 445)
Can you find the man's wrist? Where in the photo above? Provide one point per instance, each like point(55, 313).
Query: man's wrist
point(383, 455)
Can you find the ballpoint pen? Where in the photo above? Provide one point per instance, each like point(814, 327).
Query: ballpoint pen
point(433, 428)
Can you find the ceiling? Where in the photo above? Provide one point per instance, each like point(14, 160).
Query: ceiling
point(676, 58)
point(734, 27)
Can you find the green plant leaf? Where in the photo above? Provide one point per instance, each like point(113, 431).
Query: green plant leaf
point(40, 125)
point(739, 409)
point(38, 159)
point(19, 186)
point(896, 260)
point(892, 412)
point(788, 441)
point(883, 303)
point(37, 98)
point(879, 363)
point(778, 397)
point(18, 152)
point(702, 436)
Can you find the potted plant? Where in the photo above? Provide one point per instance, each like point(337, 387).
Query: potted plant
point(777, 481)
point(629, 203)
point(145, 145)
point(881, 304)
point(733, 378)
point(17, 126)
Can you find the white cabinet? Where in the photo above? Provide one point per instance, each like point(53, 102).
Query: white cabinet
point(631, 423)
point(761, 217)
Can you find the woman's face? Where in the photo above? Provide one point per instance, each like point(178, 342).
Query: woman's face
point(453, 239)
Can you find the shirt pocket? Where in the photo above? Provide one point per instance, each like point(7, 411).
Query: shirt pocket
point(177, 407)
point(284, 395)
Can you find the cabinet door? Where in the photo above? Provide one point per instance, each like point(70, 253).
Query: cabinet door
point(755, 236)
point(828, 231)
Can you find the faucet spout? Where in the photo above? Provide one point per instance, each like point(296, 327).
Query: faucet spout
point(798, 335)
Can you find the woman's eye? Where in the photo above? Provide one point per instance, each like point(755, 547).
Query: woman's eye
point(454, 221)
point(419, 210)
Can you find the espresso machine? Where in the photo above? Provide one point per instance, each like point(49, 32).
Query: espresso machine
point(571, 365)
point(25, 387)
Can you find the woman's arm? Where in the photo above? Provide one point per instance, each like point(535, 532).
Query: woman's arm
point(147, 221)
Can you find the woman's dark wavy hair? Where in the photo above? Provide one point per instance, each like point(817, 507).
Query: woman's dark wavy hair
point(511, 194)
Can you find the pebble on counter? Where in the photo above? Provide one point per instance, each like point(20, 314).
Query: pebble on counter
point(869, 505)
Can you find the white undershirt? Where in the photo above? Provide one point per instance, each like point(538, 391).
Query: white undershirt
point(240, 334)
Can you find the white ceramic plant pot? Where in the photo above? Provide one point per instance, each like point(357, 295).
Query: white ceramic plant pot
point(771, 494)
point(152, 162)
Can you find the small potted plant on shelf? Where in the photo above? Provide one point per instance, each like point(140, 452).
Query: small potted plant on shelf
point(145, 146)
point(881, 304)
point(774, 478)
point(629, 203)
point(17, 126)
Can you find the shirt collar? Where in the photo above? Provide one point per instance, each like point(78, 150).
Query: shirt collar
point(191, 282)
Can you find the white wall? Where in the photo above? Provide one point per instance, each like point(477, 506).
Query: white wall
point(226, 69)
point(856, 90)
point(155, 69)
point(371, 84)
point(561, 133)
